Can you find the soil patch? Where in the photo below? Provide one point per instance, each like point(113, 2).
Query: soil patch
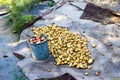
point(65, 76)
point(98, 14)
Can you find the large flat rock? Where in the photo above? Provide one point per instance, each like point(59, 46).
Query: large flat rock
point(107, 57)
point(106, 54)
point(109, 4)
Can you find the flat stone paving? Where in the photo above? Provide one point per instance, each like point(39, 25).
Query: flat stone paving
point(106, 54)
point(8, 67)
point(107, 61)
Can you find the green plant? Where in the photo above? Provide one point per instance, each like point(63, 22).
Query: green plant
point(18, 25)
point(5, 2)
point(46, 79)
point(16, 17)
point(20, 75)
point(51, 3)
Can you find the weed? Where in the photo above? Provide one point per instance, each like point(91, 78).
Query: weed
point(51, 3)
point(16, 17)
point(19, 76)
point(46, 79)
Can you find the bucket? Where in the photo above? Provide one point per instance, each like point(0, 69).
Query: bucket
point(40, 51)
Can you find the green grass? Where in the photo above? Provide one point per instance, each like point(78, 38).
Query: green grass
point(51, 3)
point(5, 2)
point(16, 17)
point(20, 75)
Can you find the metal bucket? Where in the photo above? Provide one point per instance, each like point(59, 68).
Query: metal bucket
point(40, 51)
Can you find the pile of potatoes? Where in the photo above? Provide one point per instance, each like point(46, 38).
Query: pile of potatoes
point(66, 47)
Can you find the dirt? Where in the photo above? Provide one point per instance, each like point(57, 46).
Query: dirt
point(98, 14)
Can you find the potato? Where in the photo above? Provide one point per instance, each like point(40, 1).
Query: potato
point(66, 47)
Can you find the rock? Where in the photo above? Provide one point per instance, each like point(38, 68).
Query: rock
point(86, 73)
point(95, 32)
point(55, 18)
point(3, 10)
point(81, 5)
point(28, 33)
point(94, 45)
point(70, 11)
point(65, 76)
point(5, 56)
point(56, 1)
point(97, 35)
point(109, 4)
point(19, 56)
point(105, 16)
point(97, 73)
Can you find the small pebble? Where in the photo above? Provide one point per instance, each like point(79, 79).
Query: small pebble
point(89, 67)
point(83, 31)
point(93, 45)
point(86, 73)
point(5, 56)
point(97, 73)
point(49, 70)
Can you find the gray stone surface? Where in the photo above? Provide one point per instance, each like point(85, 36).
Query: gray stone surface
point(36, 10)
point(3, 9)
point(8, 68)
point(106, 54)
point(26, 34)
point(109, 4)
point(63, 16)
point(56, 1)
point(70, 11)
point(106, 60)
point(79, 4)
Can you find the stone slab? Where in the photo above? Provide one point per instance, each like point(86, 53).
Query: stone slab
point(79, 4)
point(106, 60)
point(107, 57)
point(56, 1)
point(108, 4)
point(98, 14)
point(8, 68)
point(70, 11)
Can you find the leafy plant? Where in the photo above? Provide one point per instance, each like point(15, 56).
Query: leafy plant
point(5, 2)
point(20, 75)
point(46, 79)
point(18, 25)
point(51, 3)
point(16, 17)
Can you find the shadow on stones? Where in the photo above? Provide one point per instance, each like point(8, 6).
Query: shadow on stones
point(98, 14)
point(65, 76)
